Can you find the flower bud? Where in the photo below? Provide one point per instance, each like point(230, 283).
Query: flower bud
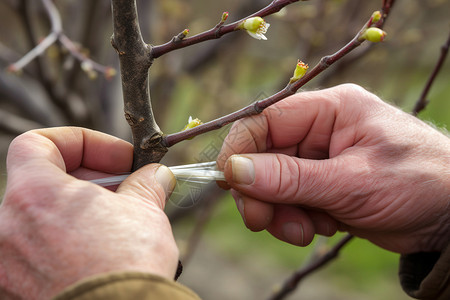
point(256, 27)
point(88, 68)
point(110, 73)
point(373, 34)
point(192, 123)
point(376, 16)
point(224, 16)
point(299, 71)
point(180, 36)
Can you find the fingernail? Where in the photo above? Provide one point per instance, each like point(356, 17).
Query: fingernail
point(240, 206)
point(293, 232)
point(242, 169)
point(166, 179)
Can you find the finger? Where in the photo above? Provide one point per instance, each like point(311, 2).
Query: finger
point(89, 174)
point(323, 223)
point(282, 179)
point(306, 118)
point(292, 151)
point(90, 149)
point(223, 185)
point(257, 215)
point(68, 148)
point(151, 184)
point(292, 225)
point(246, 136)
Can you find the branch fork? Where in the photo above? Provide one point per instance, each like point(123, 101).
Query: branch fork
point(136, 58)
point(57, 35)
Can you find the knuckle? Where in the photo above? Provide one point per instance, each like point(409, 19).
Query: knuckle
point(286, 181)
point(246, 136)
point(18, 197)
point(29, 194)
point(18, 143)
point(351, 88)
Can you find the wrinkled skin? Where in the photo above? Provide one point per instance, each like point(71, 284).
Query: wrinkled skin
point(341, 159)
point(56, 229)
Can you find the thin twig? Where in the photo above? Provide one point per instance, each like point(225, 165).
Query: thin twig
point(42, 74)
point(259, 106)
point(56, 34)
point(292, 282)
point(56, 30)
point(36, 51)
point(422, 102)
point(218, 30)
point(75, 52)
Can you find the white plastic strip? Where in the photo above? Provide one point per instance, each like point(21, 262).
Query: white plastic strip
point(197, 173)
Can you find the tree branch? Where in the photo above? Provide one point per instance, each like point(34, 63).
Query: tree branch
point(135, 61)
point(36, 51)
point(292, 282)
point(259, 106)
point(217, 31)
point(136, 57)
point(56, 34)
point(422, 102)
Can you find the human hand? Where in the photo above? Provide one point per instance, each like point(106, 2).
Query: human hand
point(341, 159)
point(56, 229)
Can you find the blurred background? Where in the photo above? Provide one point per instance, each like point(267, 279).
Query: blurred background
point(223, 260)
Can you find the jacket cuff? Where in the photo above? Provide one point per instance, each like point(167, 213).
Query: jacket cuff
point(426, 275)
point(126, 285)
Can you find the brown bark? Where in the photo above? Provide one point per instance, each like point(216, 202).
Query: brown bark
point(135, 61)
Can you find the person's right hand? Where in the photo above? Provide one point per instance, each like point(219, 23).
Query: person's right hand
point(341, 159)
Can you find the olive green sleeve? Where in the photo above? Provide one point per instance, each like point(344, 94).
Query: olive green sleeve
point(426, 275)
point(127, 285)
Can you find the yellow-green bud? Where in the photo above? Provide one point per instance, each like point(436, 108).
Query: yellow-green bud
point(253, 24)
point(192, 123)
point(299, 71)
point(256, 27)
point(376, 16)
point(374, 35)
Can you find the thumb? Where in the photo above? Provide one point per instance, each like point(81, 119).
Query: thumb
point(152, 184)
point(283, 179)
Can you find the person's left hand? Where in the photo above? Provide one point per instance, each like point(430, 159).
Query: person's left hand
point(56, 229)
